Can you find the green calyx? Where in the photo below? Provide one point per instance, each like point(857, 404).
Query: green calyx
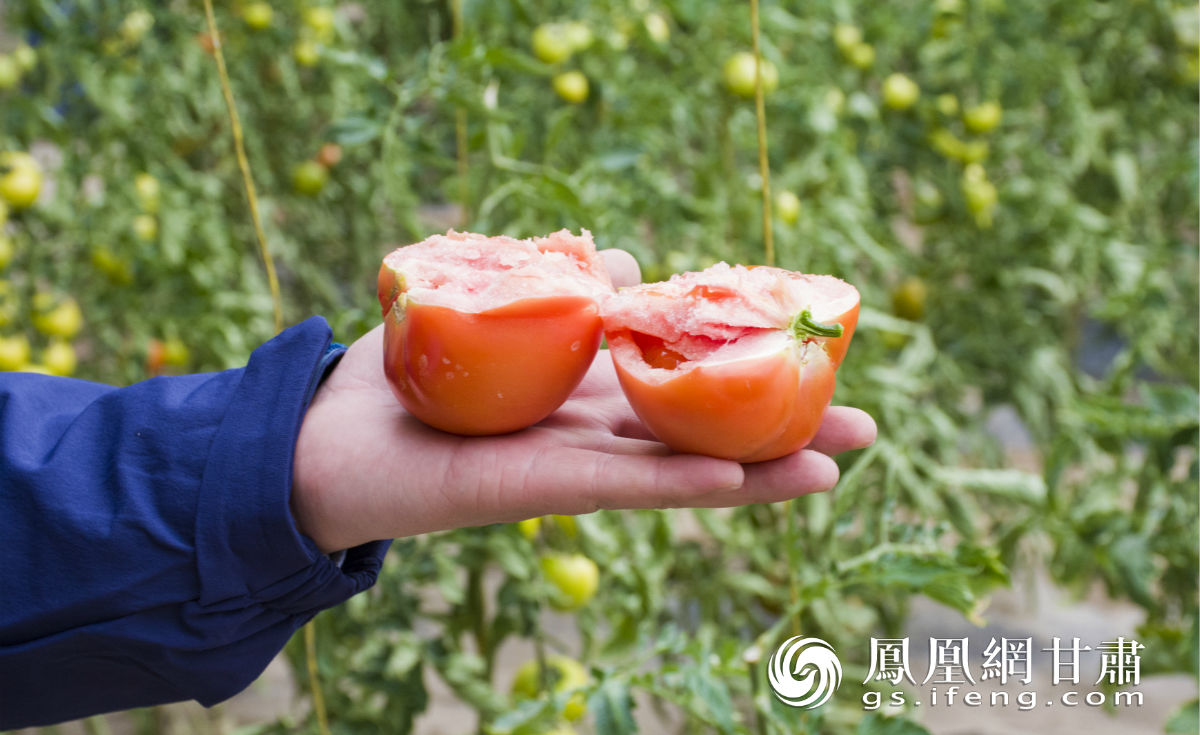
point(803, 327)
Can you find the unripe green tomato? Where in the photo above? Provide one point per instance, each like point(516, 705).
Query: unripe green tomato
point(20, 179)
point(846, 37)
point(25, 56)
point(982, 118)
point(62, 319)
point(578, 35)
point(928, 195)
point(136, 25)
point(981, 195)
point(974, 151)
point(787, 206)
point(529, 528)
point(115, 268)
point(551, 43)
point(14, 352)
point(572, 86)
point(320, 20)
point(567, 525)
point(7, 250)
point(740, 70)
point(10, 305)
point(309, 178)
point(306, 53)
point(10, 73)
point(3, 212)
point(929, 201)
point(861, 55)
point(947, 104)
point(657, 28)
point(835, 100)
point(894, 340)
point(59, 358)
point(148, 191)
point(175, 352)
point(145, 227)
point(258, 16)
point(908, 299)
point(574, 577)
point(974, 172)
point(563, 674)
point(900, 92)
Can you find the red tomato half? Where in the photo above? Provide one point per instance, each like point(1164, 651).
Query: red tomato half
point(732, 362)
point(487, 335)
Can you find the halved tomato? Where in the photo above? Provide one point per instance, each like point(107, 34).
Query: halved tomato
point(487, 335)
point(732, 362)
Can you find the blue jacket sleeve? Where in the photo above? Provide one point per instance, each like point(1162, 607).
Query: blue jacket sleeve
point(147, 549)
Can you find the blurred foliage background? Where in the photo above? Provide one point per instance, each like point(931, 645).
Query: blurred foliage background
point(1011, 184)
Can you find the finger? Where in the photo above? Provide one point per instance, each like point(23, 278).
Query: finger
point(797, 474)
point(843, 429)
point(576, 481)
point(622, 267)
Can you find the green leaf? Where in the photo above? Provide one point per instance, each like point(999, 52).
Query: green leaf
point(1125, 175)
point(1015, 484)
point(876, 724)
point(612, 708)
point(1185, 720)
point(353, 131)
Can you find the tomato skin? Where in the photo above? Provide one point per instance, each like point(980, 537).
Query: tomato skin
point(564, 674)
point(551, 43)
point(983, 118)
point(748, 410)
point(20, 179)
point(788, 206)
point(575, 579)
point(900, 92)
point(730, 362)
point(63, 319)
point(490, 372)
point(10, 72)
point(309, 178)
point(741, 72)
point(572, 86)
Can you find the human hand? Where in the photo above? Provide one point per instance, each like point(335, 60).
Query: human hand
point(365, 469)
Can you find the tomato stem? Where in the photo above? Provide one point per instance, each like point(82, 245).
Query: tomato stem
point(804, 327)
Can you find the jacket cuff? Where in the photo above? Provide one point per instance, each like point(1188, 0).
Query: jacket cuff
point(248, 546)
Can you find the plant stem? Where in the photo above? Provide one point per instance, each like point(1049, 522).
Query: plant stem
point(476, 608)
point(239, 149)
point(764, 166)
point(314, 680)
point(460, 126)
point(804, 326)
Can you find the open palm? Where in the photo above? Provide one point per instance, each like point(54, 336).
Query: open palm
point(365, 469)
